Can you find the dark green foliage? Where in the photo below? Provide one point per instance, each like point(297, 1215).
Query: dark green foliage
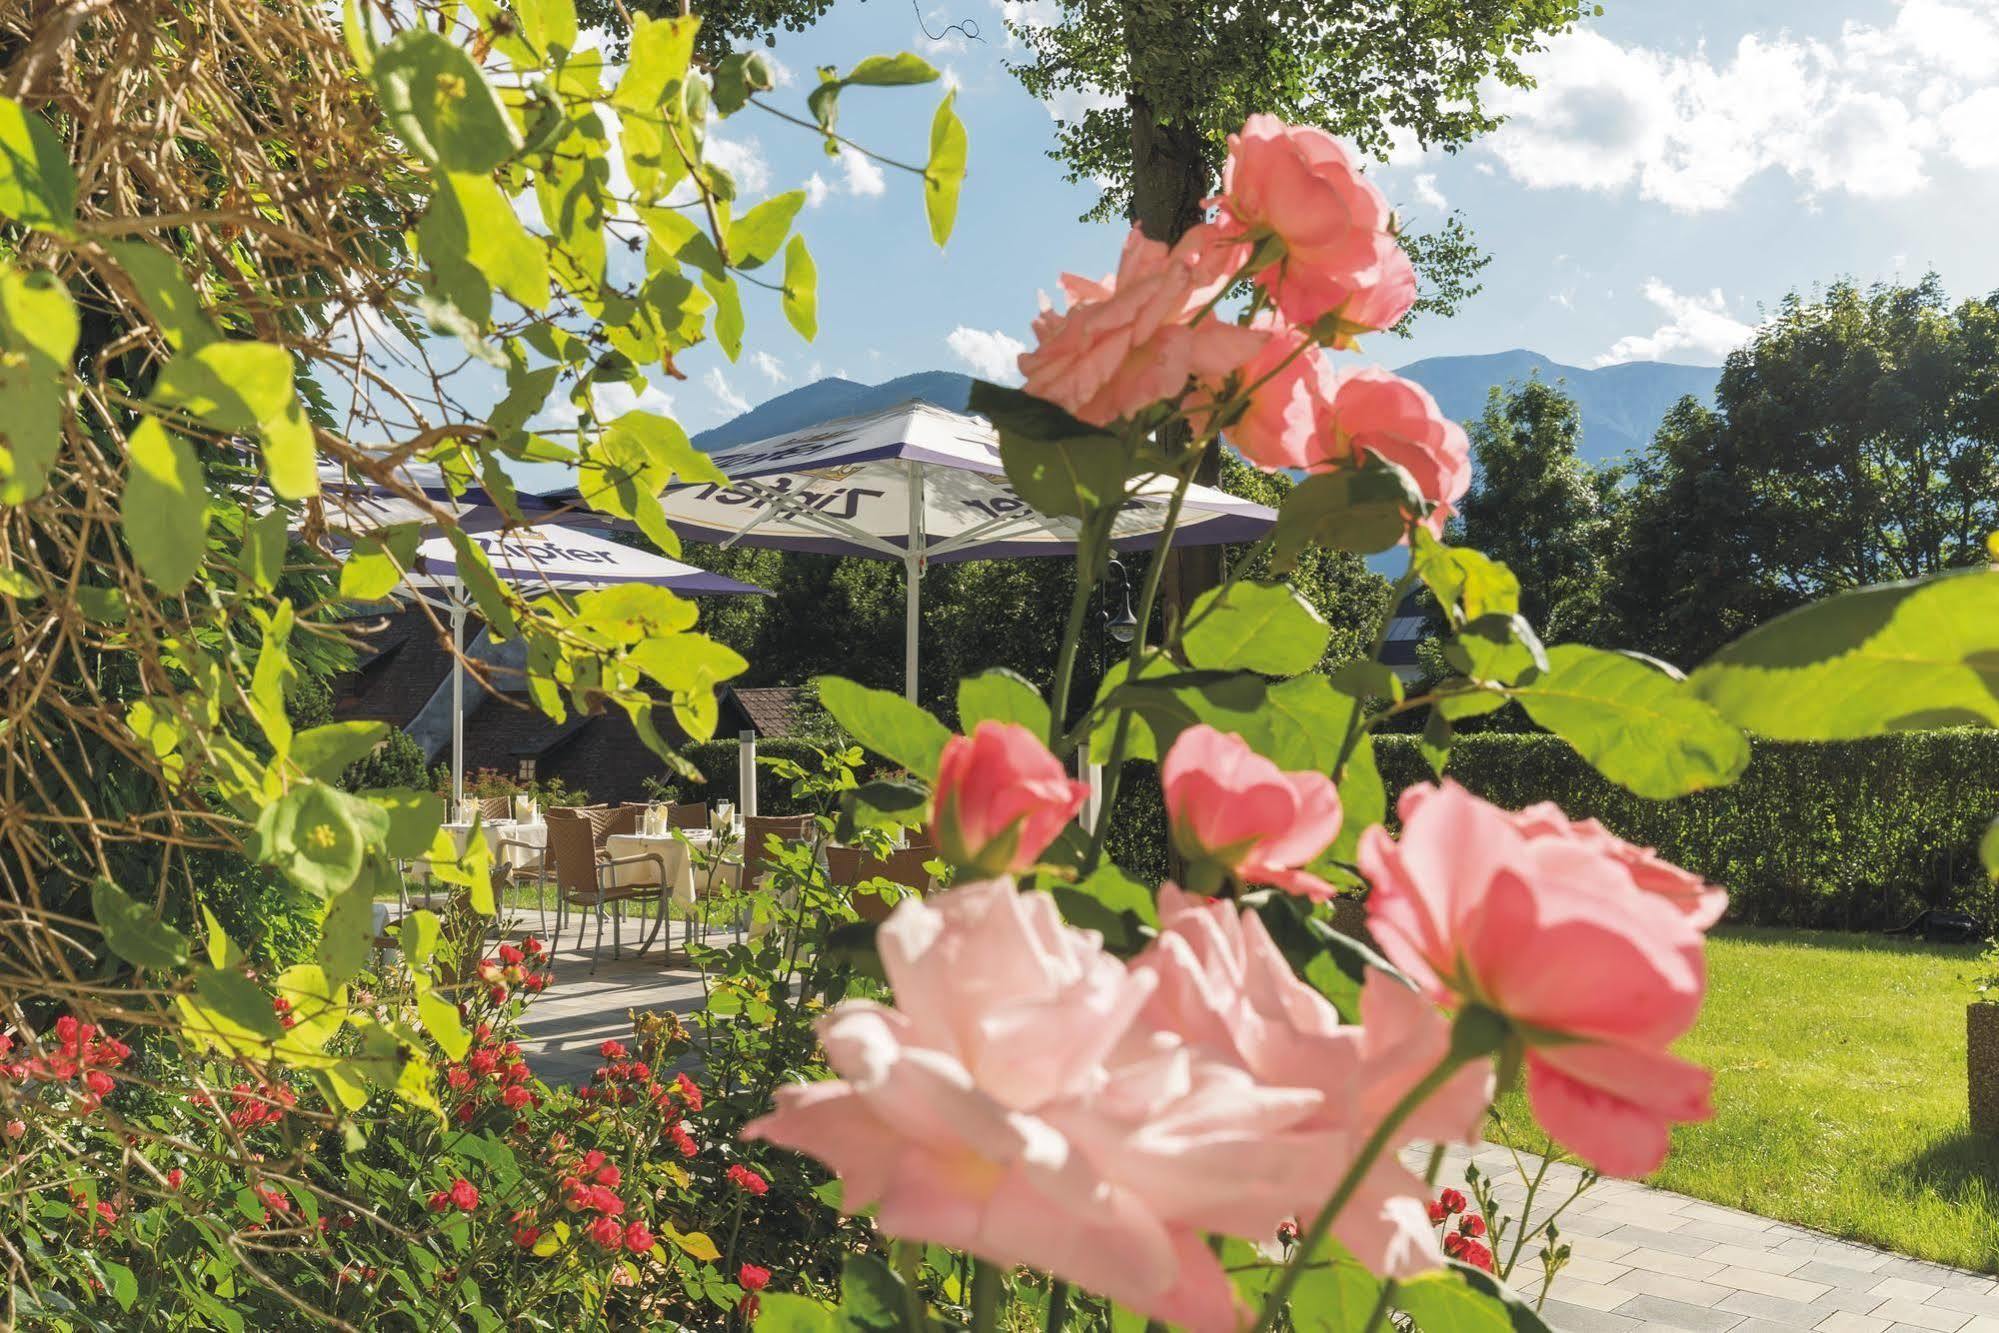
point(396, 762)
point(717, 762)
point(1857, 835)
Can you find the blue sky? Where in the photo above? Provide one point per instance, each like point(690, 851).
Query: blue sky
point(1681, 167)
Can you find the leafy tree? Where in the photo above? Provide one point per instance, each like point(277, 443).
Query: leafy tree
point(1542, 510)
point(1854, 440)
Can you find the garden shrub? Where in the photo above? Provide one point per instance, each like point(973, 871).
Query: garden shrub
point(1853, 835)
point(717, 762)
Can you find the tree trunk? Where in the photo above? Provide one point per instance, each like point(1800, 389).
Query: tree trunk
point(1169, 179)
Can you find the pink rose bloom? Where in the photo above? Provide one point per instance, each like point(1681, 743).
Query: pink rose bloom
point(1289, 416)
point(1547, 924)
point(1396, 420)
point(1008, 1105)
point(1224, 988)
point(1233, 812)
point(1300, 185)
point(1001, 798)
point(1130, 341)
point(1702, 902)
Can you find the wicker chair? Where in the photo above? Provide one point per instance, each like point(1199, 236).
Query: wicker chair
point(693, 814)
point(583, 875)
point(756, 832)
point(847, 867)
point(495, 808)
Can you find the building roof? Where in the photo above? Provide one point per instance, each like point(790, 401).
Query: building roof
point(773, 709)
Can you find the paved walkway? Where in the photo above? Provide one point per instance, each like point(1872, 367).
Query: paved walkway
point(1645, 1259)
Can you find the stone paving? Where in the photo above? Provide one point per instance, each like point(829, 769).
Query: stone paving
point(1644, 1260)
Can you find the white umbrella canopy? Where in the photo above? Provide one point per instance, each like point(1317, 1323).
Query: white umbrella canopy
point(915, 484)
point(360, 506)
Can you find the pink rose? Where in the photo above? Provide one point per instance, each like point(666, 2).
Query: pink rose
point(1224, 988)
point(1702, 902)
point(1001, 798)
point(1233, 812)
point(1010, 1105)
point(1132, 340)
point(1396, 420)
point(1300, 186)
point(1289, 415)
point(1547, 924)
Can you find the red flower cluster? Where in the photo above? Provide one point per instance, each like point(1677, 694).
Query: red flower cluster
point(1461, 1244)
point(491, 1072)
point(463, 1195)
point(623, 1081)
point(256, 1106)
point(80, 1053)
point(514, 968)
point(752, 1279)
point(282, 1007)
point(747, 1180)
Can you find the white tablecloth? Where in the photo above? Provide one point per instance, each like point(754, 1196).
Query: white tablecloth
point(505, 830)
point(677, 857)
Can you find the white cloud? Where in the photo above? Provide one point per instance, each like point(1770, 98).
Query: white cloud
point(864, 178)
point(743, 159)
point(1697, 328)
point(727, 398)
point(990, 353)
point(816, 190)
point(780, 73)
point(615, 398)
point(770, 366)
point(1870, 112)
point(1427, 193)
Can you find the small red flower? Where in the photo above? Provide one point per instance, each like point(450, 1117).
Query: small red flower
point(525, 1237)
point(1438, 1213)
point(1287, 1232)
point(638, 1238)
point(613, 1050)
point(439, 1201)
point(1454, 1245)
point(608, 1174)
point(14, 1129)
point(1477, 1256)
point(1453, 1201)
point(752, 1278)
point(690, 1091)
point(464, 1195)
point(1472, 1225)
point(684, 1141)
point(606, 1232)
point(747, 1180)
point(510, 955)
point(175, 1177)
point(516, 1096)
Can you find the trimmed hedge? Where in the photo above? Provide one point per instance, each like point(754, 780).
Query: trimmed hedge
point(717, 762)
point(1857, 835)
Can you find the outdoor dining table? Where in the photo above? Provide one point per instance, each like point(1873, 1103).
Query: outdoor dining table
point(497, 832)
point(678, 857)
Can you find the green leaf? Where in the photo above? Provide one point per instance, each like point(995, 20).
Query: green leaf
point(440, 1019)
point(168, 296)
point(801, 289)
point(728, 314)
point(737, 77)
point(897, 70)
point(1638, 726)
point(324, 752)
point(38, 332)
point(377, 562)
point(475, 220)
point(347, 932)
point(1468, 584)
point(1887, 658)
point(133, 932)
point(1363, 509)
point(999, 695)
point(315, 834)
point(413, 819)
point(18, 586)
point(240, 387)
point(417, 936)
point(1363, 799)
point(754, 237)
point(872, 1297)
point(660, 50)
point(439, 103)
point(886, 723)
point(548, 25)
point(1264, 627)
point(164, 511)
point(944, 175)
point(37, 187)
point(783, 1313)
point(1056, 463)
point(123, 1284)
point(1517, 1314)
point(476, 571)
point(265, 541)
point(1439, 1300)
point(1113, 904)
point(1988, 849)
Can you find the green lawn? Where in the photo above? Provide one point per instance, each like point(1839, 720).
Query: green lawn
point(1840, 1093)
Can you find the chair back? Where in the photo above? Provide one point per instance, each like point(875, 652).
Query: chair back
point(756, 832)
point(691, 814)
point(572, 849)
point(496, 807)
point(850, 866)
point(618, 819)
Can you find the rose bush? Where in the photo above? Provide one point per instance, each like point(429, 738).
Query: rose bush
point(1043, 1083)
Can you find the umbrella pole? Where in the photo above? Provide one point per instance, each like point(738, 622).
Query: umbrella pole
point(912, 566)
point(457, 702)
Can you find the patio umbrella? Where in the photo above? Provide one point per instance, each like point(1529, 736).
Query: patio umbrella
point(915, 484)
point(550, 558)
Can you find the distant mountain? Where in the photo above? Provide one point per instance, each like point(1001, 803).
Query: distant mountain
point(1621, 405)
point(822, 400)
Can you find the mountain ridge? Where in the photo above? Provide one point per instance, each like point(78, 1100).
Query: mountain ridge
point(1621, 405)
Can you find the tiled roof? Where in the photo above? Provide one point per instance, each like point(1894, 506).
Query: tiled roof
point(773, 709)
